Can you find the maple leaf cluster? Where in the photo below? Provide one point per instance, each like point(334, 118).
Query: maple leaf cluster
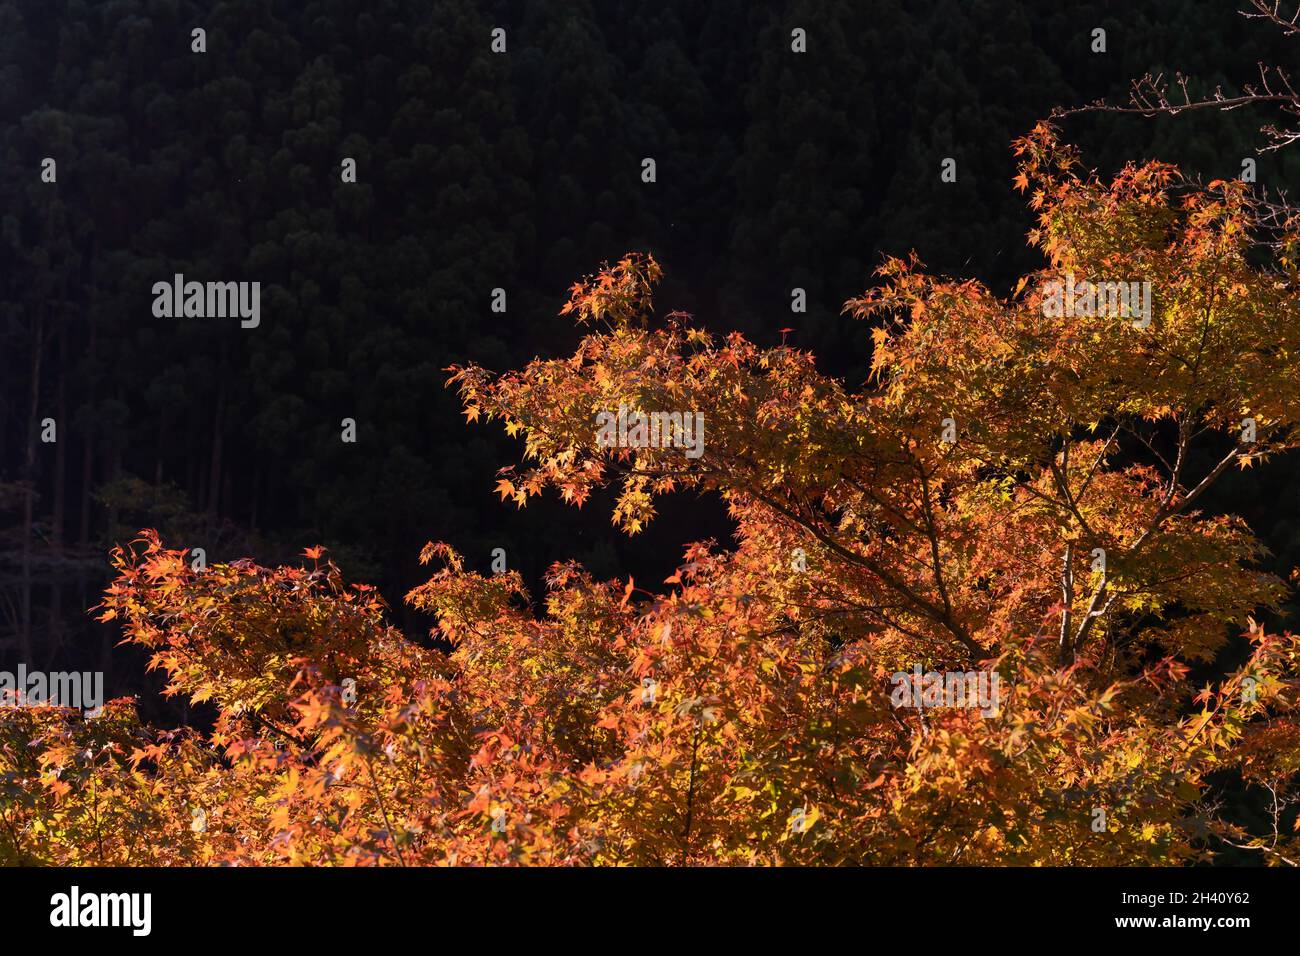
point(742, 714)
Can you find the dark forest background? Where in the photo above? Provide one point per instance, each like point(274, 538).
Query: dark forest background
point(477, 171)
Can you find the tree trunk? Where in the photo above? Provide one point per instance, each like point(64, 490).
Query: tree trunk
point(60, 449)
point(214, 473)
point(29, 491)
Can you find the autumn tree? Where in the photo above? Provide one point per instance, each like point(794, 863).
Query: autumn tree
point(1019, 492)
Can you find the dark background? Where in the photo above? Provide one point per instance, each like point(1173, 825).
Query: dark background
point(477, 171)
